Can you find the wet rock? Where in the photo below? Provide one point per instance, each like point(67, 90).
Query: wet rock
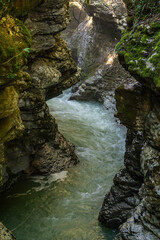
point(132, 102)
point(78, 14)
point(133, 200)
point(141, 112)
point(105, 79)
point(5, 234)
point(46, 158)
point(40, 150)
point(144, 223)
point(124, 194)
point(133, 228)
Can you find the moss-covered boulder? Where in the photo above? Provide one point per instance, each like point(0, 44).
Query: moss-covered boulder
point(139, 47)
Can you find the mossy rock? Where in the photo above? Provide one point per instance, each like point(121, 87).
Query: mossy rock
point(8, 101)
point(139, 52)
point(11, 127)
point(18, 8)
point(15, 41)
point(142, 9)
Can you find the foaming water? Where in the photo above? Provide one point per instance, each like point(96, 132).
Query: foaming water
point(66, 205)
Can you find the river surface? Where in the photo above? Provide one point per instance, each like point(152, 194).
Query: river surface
point(66, 205)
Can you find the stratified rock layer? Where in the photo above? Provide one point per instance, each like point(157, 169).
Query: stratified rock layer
point(29, 138)
point(134, 199)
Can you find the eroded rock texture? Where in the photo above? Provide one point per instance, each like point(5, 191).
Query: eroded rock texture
point(134, 199)
point(92, 35)
point(14, 39)
point(29, 138)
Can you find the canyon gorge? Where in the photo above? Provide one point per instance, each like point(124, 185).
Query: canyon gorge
point(109, 54)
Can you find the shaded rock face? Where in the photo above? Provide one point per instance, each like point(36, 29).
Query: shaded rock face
point(30, 141)
point(13, 79)
point(96, 31)
point(132, 115)
point(134, 199)
point(124, 194)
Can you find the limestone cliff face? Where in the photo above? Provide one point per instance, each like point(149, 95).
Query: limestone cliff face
point(92, 35)
point(134, 199)
point(29, 137)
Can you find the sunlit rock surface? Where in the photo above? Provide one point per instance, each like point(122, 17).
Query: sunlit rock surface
point(92, 35)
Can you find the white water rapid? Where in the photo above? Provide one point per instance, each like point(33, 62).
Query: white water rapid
point(65, 206)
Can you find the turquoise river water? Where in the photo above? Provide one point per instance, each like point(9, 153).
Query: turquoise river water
point(66, 205)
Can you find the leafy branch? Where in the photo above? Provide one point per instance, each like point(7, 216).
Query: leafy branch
point(24, 50)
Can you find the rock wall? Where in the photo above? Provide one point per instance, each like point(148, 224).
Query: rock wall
point(92, 36)
point(15, 38)
point(134, 199)
point(35, 65)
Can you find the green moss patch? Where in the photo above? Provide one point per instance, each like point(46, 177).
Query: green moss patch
point(139, 52)
point(15, 40)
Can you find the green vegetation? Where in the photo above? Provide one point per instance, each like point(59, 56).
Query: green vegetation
point(15, 42)
point(139, 47)
point(86, 2)
point(145, 8)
